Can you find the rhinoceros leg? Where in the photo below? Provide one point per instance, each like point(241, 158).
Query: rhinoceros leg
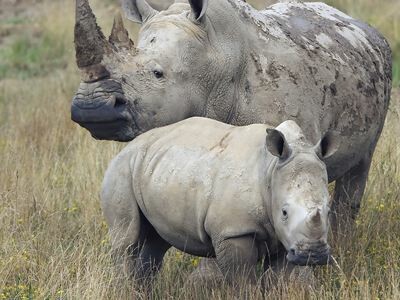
point(123, 218)
point(140, 256)
point(151, 255)
point(207, 272)
point(278, 271)
point(349, 190)
point(237, 257)
point(125, 244)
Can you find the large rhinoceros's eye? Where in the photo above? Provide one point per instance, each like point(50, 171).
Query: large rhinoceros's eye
point(158, 73)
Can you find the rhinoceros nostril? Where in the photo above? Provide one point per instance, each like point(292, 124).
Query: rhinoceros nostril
point(119, 102)
point(292, 251)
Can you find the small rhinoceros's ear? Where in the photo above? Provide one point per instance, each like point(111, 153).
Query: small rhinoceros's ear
point(199, 8)
point(277, 144)
point(328, 145)
point(138, 11)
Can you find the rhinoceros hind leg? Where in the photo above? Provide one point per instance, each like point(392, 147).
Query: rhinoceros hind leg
point(349, 190)
point(123, 218)
point(151, 255)
point(125, 245)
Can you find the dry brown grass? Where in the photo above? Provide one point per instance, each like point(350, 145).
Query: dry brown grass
point(54, 242)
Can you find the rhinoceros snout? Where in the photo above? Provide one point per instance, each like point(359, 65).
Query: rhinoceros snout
point(99, 102)
point(309, 257)
point(101, 108)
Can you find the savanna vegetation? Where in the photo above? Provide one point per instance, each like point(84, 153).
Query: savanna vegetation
point(53, 238)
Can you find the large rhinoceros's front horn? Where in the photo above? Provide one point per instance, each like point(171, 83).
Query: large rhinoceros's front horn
point(90, 43)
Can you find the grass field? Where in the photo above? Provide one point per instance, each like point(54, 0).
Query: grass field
point(54, 242)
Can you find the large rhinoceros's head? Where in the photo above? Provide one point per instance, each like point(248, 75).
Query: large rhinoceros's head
point(300, 197)
point(126, 89)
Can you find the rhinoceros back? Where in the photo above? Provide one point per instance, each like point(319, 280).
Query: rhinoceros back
point(323, 69)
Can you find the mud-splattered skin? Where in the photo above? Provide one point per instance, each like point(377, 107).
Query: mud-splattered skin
point(334, 73)
point(302, 61)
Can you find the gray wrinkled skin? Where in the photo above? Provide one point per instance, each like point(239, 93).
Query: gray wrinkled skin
point(160, 4)
point(302, 61)
point(215, 190)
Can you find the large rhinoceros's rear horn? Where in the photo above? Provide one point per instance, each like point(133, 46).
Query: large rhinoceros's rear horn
point(119, 35)
point(90, 43)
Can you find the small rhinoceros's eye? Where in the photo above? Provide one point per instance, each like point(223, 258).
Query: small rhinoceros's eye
point(284, 214)
point(158, 73)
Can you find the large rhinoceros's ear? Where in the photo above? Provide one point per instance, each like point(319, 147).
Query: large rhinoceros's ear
point(277, 144)
point(138, 11)
point(328, 145)
point(199, 8)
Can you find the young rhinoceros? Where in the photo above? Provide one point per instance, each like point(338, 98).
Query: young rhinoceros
point(216, 190)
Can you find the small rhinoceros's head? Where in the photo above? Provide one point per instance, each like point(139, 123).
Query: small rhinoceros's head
point(126, 89)
point(300, 197)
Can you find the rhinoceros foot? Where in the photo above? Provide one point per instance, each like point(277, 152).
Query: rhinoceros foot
point(207, 273)
point(283, 274)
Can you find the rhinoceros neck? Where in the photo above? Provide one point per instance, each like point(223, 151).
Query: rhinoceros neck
point(237, 95)
point(228, 61)
point(298, 60)
point(267, 169)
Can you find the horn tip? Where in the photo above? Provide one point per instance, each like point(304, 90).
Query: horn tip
point(317, 216)
point(90, 43)
point(118, 18)
point(119, 36)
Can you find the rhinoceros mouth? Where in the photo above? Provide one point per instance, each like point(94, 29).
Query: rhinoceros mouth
point(100, 110)
point(303, 258)
point(106, 118)
point(115, 130)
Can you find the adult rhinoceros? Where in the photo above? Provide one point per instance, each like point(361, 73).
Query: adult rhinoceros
point(216, 190)
point(302, 61)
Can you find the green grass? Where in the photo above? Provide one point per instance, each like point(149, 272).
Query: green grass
point(396, 60)
point(32, 47)
point(27, 57)
point(396, 72)
point(14, 21)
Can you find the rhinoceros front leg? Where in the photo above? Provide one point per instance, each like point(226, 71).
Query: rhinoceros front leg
point(207, 272)
point(277, 270)
point(237, 257)
point(349, 190)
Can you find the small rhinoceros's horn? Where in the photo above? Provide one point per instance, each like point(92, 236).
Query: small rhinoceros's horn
point(90, 43)
point(119, 35)
point(315, 217)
